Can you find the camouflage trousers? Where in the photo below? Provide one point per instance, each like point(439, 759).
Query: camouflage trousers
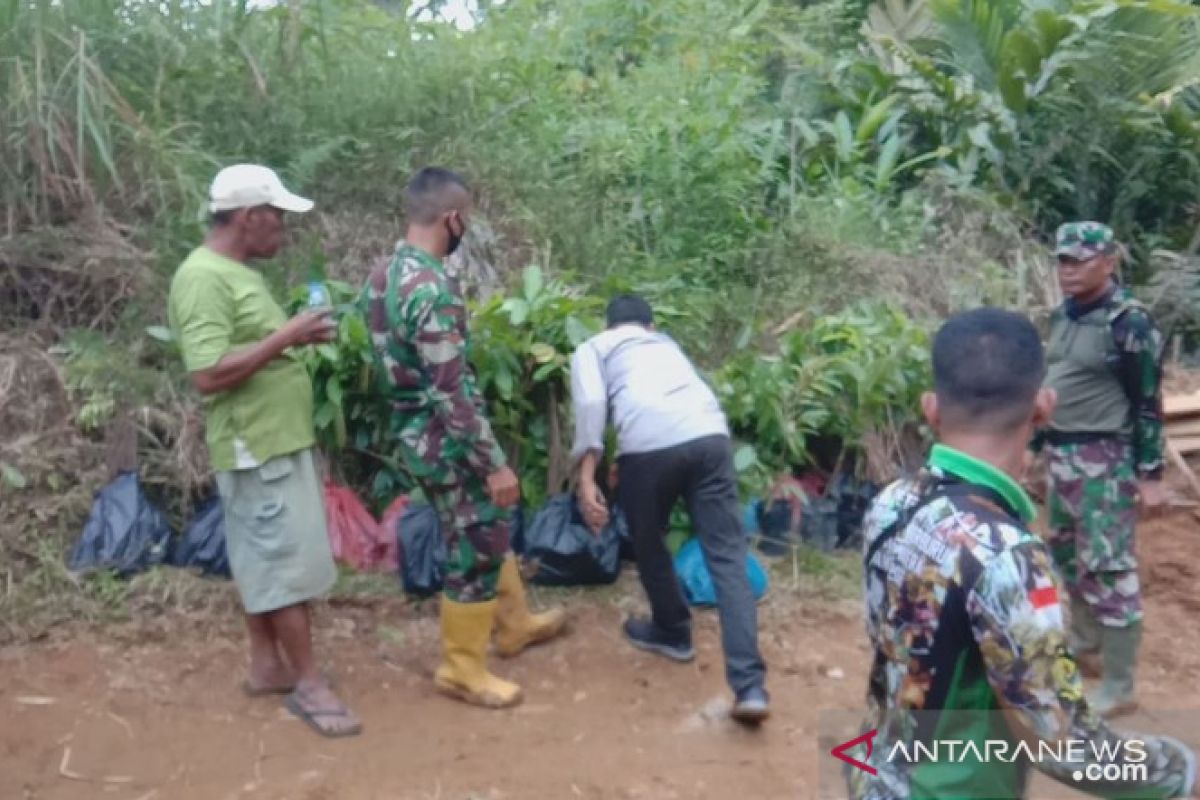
point(1092, 514)
point(476, 531)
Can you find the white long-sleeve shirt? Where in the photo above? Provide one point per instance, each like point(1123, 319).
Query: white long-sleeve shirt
point(656, 397)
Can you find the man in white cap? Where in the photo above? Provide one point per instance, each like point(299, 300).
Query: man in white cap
point(238, 345)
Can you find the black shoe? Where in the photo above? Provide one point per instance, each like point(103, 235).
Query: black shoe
point(752, 706)
point(645, 635)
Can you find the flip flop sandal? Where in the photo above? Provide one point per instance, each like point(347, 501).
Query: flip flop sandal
point(311, 717)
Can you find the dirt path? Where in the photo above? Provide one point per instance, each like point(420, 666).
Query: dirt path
point(599, 721)
point(158, 717)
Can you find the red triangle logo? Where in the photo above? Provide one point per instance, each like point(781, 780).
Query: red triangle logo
point(840, 751)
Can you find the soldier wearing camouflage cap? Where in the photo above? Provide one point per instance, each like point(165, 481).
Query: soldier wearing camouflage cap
point(1104, 451)
point(418, 323)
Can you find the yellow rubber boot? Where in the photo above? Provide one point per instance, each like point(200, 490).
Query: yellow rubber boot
point(466, 629)
point(516, 628)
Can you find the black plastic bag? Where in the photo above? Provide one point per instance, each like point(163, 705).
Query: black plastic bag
point(776, 523)
point(516, 530)
point(819, 526)
point(853, 498)
point(124, 532)
point(566, 551)
point(625, 538)
point(203, 542)
point(422, 551)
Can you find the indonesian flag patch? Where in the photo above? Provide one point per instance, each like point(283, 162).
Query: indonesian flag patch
point(1044, 599)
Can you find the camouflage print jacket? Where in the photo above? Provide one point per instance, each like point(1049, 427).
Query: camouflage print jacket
point(965, 618)
point(418, 324)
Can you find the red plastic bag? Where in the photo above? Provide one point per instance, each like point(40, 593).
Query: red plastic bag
point(356, 538)
point(389, 529)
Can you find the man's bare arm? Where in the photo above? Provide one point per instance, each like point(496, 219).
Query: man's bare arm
point(238, 366)
point(591, 500)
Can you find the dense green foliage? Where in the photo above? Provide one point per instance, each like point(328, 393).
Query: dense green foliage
point(734, 161)
point(842, 377)
point(676, 138)
point(521, 349)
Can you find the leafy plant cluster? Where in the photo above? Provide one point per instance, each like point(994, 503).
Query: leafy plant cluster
point(520, 350)
point(838, 377)
point(1067, 109)
point(347, 409)
point(103, 379)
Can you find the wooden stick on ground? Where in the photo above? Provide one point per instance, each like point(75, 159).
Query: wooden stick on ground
point(1179, 461)
point(64, 769)
point(1181, 405)
point(1184, 444)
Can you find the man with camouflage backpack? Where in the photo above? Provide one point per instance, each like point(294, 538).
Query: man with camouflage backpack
point(418, 323)
point(1104, 452)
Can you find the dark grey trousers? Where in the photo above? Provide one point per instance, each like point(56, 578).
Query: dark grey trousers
point(700, 471)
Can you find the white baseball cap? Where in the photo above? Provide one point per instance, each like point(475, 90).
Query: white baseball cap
point(249, 185)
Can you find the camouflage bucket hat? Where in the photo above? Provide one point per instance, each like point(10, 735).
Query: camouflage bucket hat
point(1083, 240)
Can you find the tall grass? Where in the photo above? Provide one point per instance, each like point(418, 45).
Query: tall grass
point(72, 141)
point(595, 136)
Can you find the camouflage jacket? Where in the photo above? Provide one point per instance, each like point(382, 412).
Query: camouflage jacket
point(965, 618)
point(418, 324)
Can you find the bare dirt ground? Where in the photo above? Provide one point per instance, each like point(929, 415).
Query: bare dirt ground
point(155, 712)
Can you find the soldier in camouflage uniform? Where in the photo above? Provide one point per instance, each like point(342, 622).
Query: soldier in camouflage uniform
point(963, 602)
point(418, 323)
point(1104, 452)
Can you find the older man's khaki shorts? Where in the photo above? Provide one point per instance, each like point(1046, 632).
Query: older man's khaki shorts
point(275, 533)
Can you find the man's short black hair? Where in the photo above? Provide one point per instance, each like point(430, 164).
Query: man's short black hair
point(432, 192)
point(629, 308)
point(988, 365)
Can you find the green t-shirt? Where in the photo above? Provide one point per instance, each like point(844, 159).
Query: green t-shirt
point(218, 305)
